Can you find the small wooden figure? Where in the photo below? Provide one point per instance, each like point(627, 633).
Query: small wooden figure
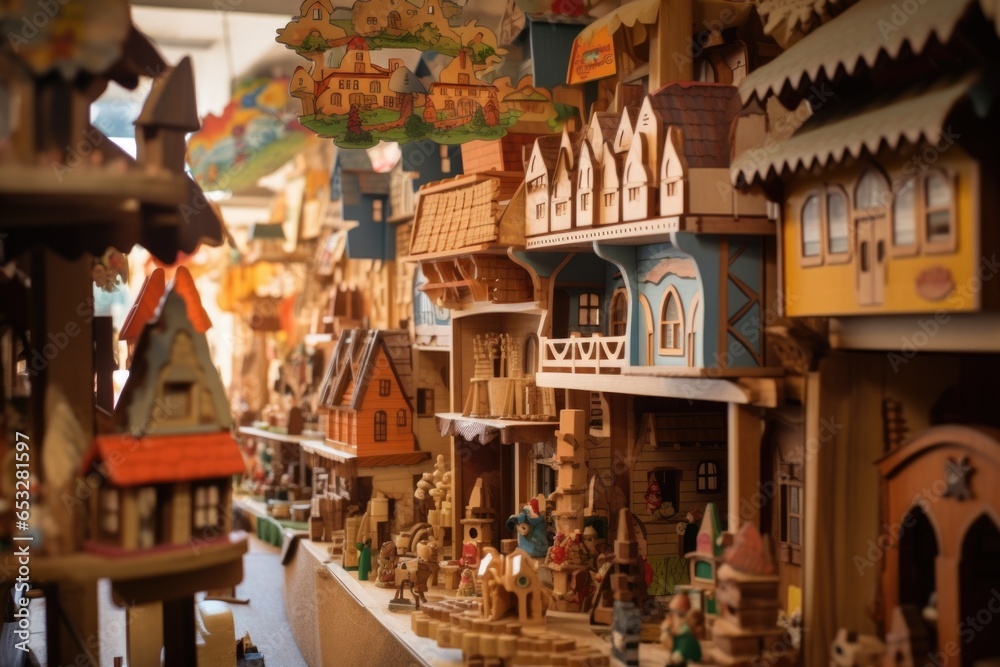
point(415, 574)
point(388, 557)
point(677, 634)
point(364, 559)
point(466, 586)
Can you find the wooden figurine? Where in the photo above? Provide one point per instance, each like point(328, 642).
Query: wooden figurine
point(626, 631)
point(174, 455)
point(511, 586)
point(677, 634)
point(414, 573)
point(467, 585)
point(477, 525)
point(364, 559)
point(169, 115)
point(530, 527)
point(436, 485)
point(387, 560)
point(622, 576)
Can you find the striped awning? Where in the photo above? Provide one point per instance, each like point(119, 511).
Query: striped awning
point(858, 37)
point(918, 115)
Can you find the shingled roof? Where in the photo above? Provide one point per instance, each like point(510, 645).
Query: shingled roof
point(355, 360)
point(463, 214)
point(705, 113)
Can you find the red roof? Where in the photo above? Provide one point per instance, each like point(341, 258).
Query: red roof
point(150, 295)
point(144, 306)
point(131, 461)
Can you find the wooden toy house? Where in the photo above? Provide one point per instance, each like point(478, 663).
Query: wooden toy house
point(885, 223)
point(167, 465)
point(366, 404)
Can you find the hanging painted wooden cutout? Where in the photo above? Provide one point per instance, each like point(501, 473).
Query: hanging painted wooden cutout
point(348, 96)
point(69, 35)
point(956, 476)
point(256, 133)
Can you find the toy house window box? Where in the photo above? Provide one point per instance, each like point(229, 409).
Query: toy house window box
point(708, 477)
point(790, 548)
point(671, 324)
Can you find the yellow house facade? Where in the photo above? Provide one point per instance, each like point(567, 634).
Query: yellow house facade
point(884, 235)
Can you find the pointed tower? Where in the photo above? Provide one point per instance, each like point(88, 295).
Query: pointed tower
point(169, 114)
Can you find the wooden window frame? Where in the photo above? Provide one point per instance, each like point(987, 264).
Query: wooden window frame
point(401, 419)
point(830, 257)
point(204, 508)
point(589, 306)
point(428, 410)
point(109, 503)
point(678, 351)
point(618, 296)
point(317, 14)
point(708, 470)
point(950, 245)
point(381, 426)
point(907, 249)
point(790, 476)
point(384, 387)
point(817, 259)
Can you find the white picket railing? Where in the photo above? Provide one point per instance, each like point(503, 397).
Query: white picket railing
point(593, 354)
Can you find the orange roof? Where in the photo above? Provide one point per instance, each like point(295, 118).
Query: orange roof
point(144, 306)
point(129, 461)
point(150, 296)
point(183, 283)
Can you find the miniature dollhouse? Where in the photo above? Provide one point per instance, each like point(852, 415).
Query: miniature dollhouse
point(367, 406)
point(155, 492)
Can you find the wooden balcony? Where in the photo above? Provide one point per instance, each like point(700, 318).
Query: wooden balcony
point(594, 354)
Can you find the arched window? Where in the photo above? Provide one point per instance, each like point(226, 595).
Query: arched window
point(590, 310)
point(904, 218)
point(619, 313)
point(401, 418)
point(708, 477)
point(939, 219)
point(380, 426)
point(811, 245)
point(530, 356)
point(671, 324)
point(375, 87)
point(871, 196)
point(836, 222)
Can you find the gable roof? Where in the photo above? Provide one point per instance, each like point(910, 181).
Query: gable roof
point(355, 360)
point(137, 406)
point(705, 113)
point(144, 306)
point(547, 148)
point(171, 101)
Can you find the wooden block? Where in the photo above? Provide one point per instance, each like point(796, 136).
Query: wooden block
point(506, 646)
point(470, 643)
point(488, 645)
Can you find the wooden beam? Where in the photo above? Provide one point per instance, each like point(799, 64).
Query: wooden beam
point(744, 466)
point(669, 44)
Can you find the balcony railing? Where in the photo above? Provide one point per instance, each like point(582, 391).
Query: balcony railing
point(593, 354)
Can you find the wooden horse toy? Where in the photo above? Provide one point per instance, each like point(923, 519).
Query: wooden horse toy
point(415, 573)
point(388, 557)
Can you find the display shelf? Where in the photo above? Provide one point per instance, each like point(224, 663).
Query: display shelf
point(331, 582)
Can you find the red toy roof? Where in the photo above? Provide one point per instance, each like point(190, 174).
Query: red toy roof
point(144, 306)
point(162, 459)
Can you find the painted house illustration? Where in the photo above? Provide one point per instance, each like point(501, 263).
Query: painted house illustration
point(167, 464)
